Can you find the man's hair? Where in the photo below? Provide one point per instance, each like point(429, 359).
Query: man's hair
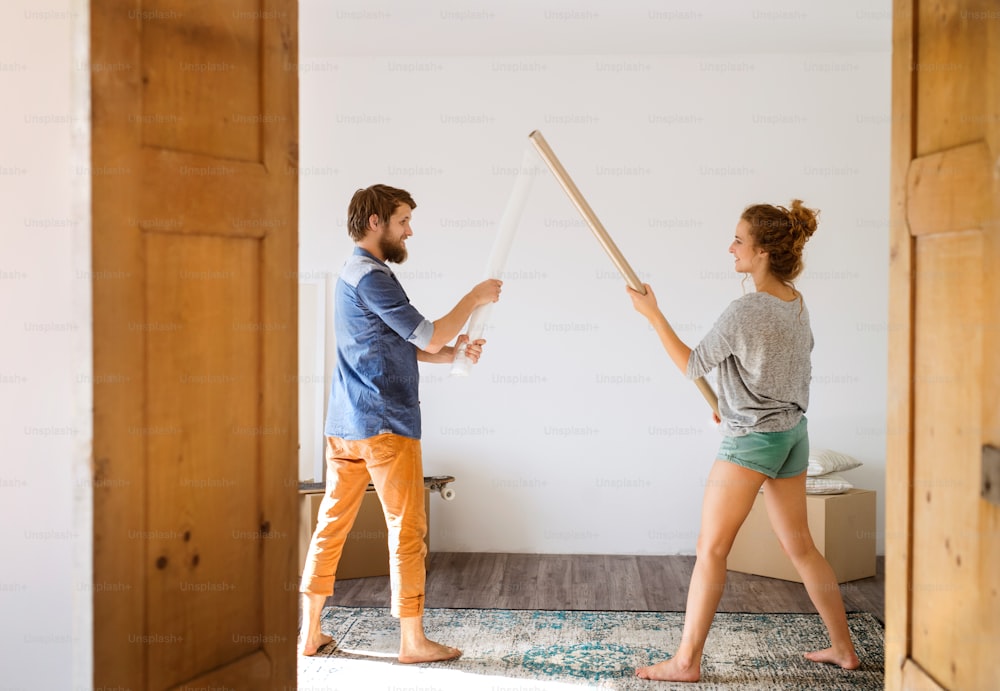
point(380, 200)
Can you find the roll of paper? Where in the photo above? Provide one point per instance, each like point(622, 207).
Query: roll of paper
point(617, 258)
point(498, 255)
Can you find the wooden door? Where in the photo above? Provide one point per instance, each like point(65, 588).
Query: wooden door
point(194, 184)
point(942, 534)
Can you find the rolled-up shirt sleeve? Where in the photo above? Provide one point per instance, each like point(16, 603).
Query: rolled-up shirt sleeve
point(421, 336)
point(385, 297)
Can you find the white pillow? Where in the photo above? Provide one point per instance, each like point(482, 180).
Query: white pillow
point(823, 461)
point(831, 483)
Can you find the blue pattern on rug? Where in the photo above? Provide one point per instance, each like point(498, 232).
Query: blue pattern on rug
point(595, 661)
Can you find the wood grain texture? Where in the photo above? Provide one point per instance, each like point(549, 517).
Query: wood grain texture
point(120, 326)
point(989, 514)
point(950, 191)
point(207, 55)
point(942, 539)
point(195, 250)
point(203, 499)
point(277, 474)
point(946, 385)
point(915, 679)
point(252, 671)
point(949, 65)
point(899, 404)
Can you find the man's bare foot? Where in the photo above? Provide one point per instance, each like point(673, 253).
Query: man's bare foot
point(428, 651)
point(311, 644)
point(831, 656)
point(670, 670)
point(311, 636)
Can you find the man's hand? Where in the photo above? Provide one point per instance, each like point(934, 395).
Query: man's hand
point(450, 325)
point(473, 350)
point(487, 291)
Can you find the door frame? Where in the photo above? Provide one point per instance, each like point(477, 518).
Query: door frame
point(899, 413)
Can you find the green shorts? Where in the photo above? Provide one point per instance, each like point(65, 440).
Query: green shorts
point(775, 454)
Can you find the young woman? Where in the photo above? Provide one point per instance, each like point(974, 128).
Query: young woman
point(761, 345)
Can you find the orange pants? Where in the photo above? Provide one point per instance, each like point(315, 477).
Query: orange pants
point(393, 464)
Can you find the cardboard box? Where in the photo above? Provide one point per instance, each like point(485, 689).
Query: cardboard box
point(842, 526)
point(366, 552)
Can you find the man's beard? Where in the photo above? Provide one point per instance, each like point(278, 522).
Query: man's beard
point(393, 251)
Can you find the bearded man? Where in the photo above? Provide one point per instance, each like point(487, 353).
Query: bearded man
point(373, 420)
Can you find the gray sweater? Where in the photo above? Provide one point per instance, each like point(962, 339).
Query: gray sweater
point(761, 345)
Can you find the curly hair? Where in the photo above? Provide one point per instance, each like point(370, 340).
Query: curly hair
point(380, 200)
point(783, 234)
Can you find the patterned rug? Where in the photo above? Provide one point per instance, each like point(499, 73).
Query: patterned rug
point(525, 650)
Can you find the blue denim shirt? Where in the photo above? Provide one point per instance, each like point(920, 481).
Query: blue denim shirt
point(378, 332)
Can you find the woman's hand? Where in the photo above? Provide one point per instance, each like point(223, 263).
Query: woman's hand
point(644, 304)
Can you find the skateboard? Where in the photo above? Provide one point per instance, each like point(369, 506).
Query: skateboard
point(435, 483)
point(439, 483)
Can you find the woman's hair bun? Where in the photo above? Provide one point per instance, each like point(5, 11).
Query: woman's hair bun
point(802, 220)
point(783, 234)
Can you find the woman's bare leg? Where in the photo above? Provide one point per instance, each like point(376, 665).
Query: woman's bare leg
point(786, 507)
point(729, 495)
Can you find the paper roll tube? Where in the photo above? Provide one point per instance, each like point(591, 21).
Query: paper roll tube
point(498, 256)
point(564, 180)
point(545, 151)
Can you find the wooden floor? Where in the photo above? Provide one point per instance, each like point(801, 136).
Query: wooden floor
point(596, 582)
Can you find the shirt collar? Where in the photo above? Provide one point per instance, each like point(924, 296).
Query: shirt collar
point(359, 251)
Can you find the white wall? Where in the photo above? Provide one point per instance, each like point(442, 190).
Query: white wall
point(550, 457)
point(575, 434)
point(45, 353)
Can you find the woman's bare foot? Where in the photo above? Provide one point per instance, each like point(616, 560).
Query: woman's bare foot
point(670, 670)
point(311, 644)
point(831, 656)
point(427, 651)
